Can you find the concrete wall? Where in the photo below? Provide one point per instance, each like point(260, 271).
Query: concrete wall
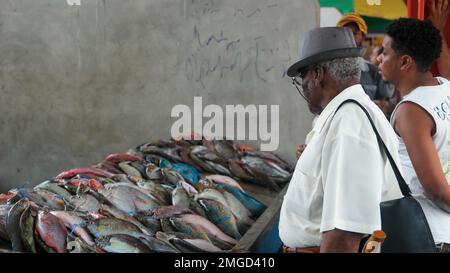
point(80, 82)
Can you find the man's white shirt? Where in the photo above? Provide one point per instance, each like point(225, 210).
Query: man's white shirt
point(342, 176)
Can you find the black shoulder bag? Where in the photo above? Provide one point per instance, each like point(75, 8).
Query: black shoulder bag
point(403, 220)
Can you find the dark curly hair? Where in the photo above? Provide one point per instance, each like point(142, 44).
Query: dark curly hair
point(418, 39)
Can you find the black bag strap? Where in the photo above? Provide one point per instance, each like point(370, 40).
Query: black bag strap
point(401, 182)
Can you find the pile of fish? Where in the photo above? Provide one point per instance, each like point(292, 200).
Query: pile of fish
point(165, 196)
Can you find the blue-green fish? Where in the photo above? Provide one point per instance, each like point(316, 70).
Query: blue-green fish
point(255, 207)
point(221, 216)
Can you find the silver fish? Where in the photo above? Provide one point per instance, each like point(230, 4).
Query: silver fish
point(13, 224)
point(172, 176)
point(154, 173)
point(272, 170)
point(129, 199)
point(43, 198)
point(159, 246)
point(77, 245)
point(218, 168)
point(119, 214)
point(270, 157)
point(182, 199)
point(53, 187)
point(129, 170)
point(112, 226)
point(166, 226)
point(171, 154)
point(156, 190)
point(4, 209)
point(139, 165)
point(198, 161)
point(191, 191)
point(226, 149)
point(26, 224)
point(188, 228)
point(121, 243)
point(169, 211)
point(84, 203)
point(213, 232)
point(150, 223)
point(225, 180)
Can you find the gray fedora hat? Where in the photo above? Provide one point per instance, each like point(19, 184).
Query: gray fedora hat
point(323, 44)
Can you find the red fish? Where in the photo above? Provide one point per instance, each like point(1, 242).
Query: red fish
point(74, 172)
point(245, 148)
point(117, 158)
point(91, 183)
point(5, 197)
point(52, 231)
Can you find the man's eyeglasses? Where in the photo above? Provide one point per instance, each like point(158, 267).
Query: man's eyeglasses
point(298, 80)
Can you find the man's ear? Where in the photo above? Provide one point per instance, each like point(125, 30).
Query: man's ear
point(318, 74)
point(406, 62)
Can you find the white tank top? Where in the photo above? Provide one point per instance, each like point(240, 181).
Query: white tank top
point(436, 101)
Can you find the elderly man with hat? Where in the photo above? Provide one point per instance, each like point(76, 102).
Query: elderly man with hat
point(376, 88)
point(333, 199)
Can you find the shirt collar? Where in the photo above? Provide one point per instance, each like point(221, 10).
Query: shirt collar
point(351, 92)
